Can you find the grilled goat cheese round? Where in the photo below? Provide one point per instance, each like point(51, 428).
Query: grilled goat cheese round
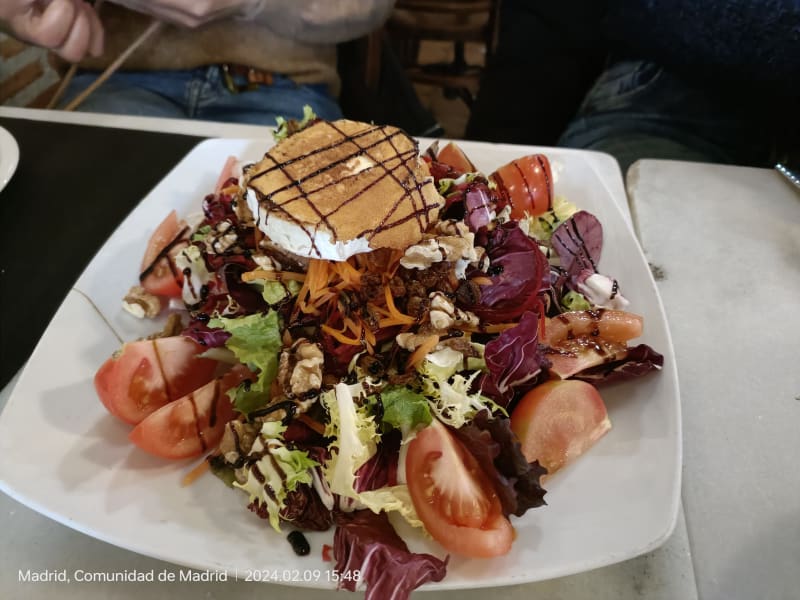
point(340, 188)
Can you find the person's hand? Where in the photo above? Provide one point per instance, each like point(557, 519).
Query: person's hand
point(193, 13)
point(70, 28)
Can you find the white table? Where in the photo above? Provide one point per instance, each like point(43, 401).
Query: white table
point(741, 491)
point(726, 242)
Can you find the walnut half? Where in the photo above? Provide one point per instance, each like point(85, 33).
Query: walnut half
point(141, 303)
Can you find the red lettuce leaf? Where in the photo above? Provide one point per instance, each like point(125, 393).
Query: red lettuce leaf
point(205, 335)
point(478, 206)
point(227, 285)
point(380, 470)
point(219, 207)
point(578, 241)
point(366, 542)
point(518, 270)
point(499, 454)
point(639, 361)
point(441, 171)
point(514, 359)
point(303, 508)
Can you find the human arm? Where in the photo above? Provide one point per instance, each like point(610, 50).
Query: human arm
point(308, 21)
point(323, 21)
point(70, 28)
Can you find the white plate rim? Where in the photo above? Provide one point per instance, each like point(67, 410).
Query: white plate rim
point(9, 157)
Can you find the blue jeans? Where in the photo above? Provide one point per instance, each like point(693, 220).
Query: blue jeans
point(637, 110)
point(201, 94)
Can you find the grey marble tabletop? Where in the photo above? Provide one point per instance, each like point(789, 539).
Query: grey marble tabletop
point(724, 243)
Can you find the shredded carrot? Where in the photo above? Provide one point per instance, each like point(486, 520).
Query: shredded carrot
point(312, 423)
point(322, 300)
point(271, 275)
point(391, 322)
point(350, 276)
point(315, 284)
point(380, 310)
point(482, 280)
point(394, 262)
point(351, 326)
point(340, 336)
point(393, 312)
point(497, 328)
point(421, 352)
point(369, 336)
point(195, 473)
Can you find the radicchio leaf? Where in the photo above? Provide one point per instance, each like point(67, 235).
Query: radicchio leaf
point(639, 361)
point(514, 359)
point(303, 508)
point(230, 296)
point(380, 470)
point(366, 542)
point(204, 335)
point(499, 454)
point(478, 206)
point(219, 207)
point(441, 171)
point(578, 241)
point(518, 270)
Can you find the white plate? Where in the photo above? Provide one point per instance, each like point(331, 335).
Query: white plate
point(65, 457)
point(9, 157)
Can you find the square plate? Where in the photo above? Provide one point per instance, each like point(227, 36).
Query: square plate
point(66, 457)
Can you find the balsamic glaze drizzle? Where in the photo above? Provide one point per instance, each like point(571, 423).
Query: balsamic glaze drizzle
point(165, 254)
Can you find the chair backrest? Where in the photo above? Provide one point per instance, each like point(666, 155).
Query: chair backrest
point(454, 7)
point(27, 75)
point(447, 20)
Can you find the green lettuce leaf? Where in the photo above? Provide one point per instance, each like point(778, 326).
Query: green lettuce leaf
point(541, 227)
point(201, 233)
point(281, 468)
point(286, 127)
point(356, 441)
point(448, 391)
point(404, 409)
point(356, 436)
point(573, 300)
point(256, 342)
point(275, 292)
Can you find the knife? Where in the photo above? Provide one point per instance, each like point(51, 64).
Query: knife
point(791, 175)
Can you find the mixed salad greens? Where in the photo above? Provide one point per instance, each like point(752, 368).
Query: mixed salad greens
point(435, 385)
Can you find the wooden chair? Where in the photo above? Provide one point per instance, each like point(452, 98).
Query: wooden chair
point(28, 76)
point(455, 21)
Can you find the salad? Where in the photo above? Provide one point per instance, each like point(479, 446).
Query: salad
point(360, 336)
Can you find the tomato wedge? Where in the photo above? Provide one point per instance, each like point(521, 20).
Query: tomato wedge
point(453, 156)
point(611, 325)
point(228, 171)
point(158, 273)
point(191, 425)
point(148, 374)
point(453, 497)
point(527, 184)
point(558, 421)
